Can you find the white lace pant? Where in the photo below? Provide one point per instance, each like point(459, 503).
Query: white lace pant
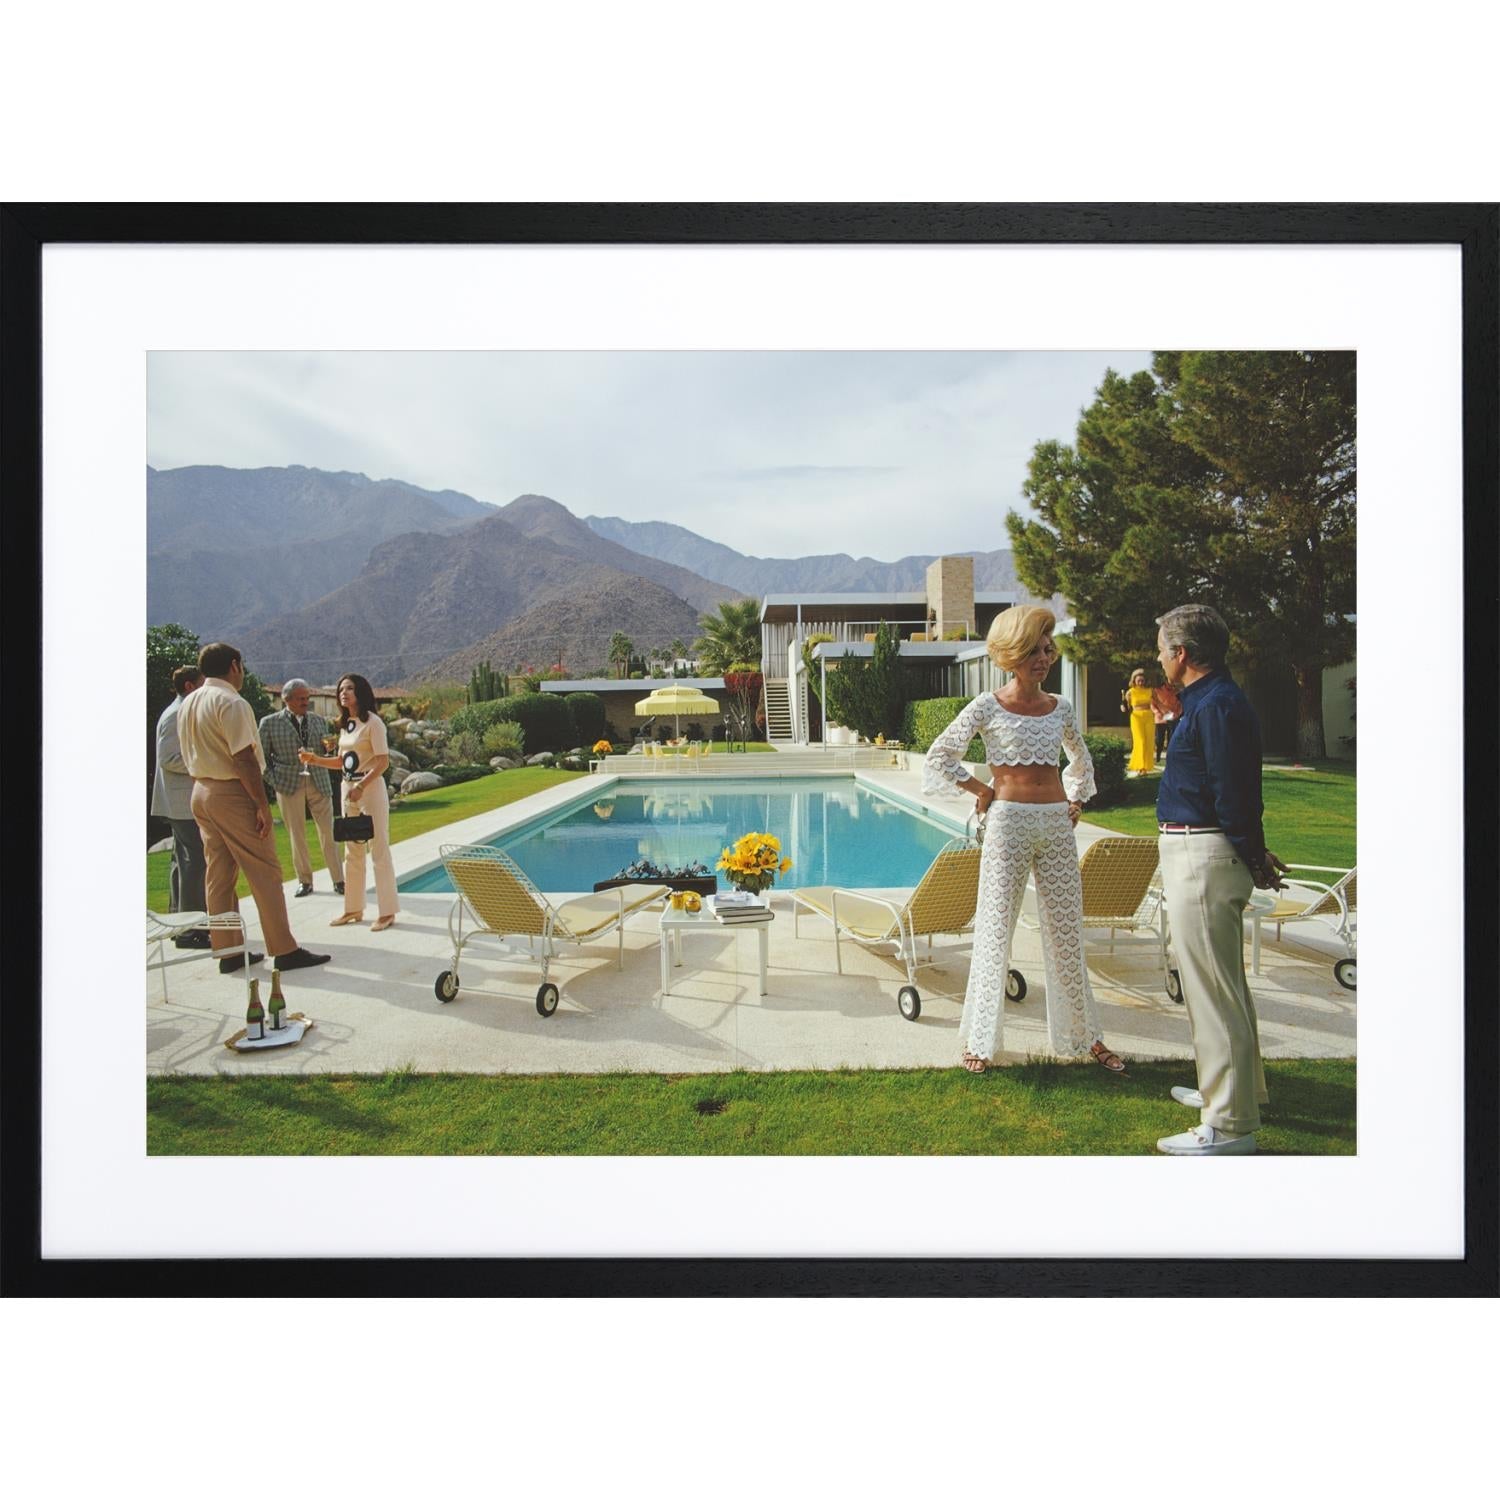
point(1020, 837)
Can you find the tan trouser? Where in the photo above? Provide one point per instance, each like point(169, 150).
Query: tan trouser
point(294, 809)
point(1207, 886)
point(225, 815)
point(376, 801)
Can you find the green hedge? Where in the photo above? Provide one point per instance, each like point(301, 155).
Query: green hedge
point(589, 723)
point(926, 718)
point(544, 718)
point(1109, 754)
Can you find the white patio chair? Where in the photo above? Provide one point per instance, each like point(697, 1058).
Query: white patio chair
point(162, 927)
point(1304, 900)
point(943, 902)
point(502, 902)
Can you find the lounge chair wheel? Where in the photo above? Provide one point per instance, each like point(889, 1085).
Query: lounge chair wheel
point(546, 1000)
point(1015, 985)
point(1343, 971)
point(446, 986)
point(1174, 986)
point(909, 1002)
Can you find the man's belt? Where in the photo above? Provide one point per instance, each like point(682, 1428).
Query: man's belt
point(1186, 828)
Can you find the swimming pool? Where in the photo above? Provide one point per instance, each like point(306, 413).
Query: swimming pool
point(837, 831)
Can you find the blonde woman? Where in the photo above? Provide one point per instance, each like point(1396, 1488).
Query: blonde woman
point(363, 732)
point(1136, 701)
point(1030, 811)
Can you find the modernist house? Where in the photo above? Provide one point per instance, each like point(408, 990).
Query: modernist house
point(936, 668)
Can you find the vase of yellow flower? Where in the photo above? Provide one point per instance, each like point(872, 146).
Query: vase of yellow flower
point(754, 861)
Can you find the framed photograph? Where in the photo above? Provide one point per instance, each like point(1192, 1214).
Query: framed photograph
point(538, 445)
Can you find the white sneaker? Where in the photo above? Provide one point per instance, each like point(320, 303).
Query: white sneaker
point(1204, 1140)
point(1190, 1097)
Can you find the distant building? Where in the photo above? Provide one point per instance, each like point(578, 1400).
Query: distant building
point(948, 604)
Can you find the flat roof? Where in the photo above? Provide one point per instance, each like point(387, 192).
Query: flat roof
point(782, 608)
point(631, 685)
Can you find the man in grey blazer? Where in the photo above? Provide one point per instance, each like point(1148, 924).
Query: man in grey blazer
point(172, 799)
point(282, 734)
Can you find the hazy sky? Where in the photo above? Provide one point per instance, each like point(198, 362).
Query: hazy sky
point(878, 455)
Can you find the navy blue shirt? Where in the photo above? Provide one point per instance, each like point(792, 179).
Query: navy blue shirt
point(1212, 775)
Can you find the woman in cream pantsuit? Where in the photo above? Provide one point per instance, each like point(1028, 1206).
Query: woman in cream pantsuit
point(1030, 812)
point(364, 733)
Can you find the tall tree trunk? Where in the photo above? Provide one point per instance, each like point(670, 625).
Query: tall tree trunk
point(1310, 741)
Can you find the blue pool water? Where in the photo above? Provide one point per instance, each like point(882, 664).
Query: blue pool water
point(836, 832)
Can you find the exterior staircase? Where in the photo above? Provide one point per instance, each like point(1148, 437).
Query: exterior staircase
point(778, 706)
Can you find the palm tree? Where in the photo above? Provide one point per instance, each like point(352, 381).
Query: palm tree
point(729, 636)
point(621, 650)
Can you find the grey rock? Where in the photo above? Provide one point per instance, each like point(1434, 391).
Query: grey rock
point(543, 758)
point(398, 759)
point(420, 781)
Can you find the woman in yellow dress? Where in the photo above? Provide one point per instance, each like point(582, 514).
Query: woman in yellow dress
point(1136, 699)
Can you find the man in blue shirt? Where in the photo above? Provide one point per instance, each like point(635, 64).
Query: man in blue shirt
point(1213, 851)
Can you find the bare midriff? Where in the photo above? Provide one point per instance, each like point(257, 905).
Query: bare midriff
point(1027, 784)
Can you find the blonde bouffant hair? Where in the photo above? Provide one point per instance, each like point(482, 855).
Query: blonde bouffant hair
point(1016, 633)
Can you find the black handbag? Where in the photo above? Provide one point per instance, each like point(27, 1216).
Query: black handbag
point(359, 829)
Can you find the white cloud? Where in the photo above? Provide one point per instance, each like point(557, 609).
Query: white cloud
point(877, 454)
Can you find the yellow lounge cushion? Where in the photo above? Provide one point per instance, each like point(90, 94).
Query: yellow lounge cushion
point(586, 915)
point(857, 914)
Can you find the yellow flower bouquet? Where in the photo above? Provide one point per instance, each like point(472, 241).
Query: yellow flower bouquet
point(754, 862)
point(602, 747)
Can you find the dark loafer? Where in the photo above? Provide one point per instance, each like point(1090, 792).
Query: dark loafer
point(193, 940)
point(338, 887)
point(303, 890)
point(300, 958)
point(238, 962)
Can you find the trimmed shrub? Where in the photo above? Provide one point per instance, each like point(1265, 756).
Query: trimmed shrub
point(1110, 755)
point(455, 775)
point(465, 748)
point(926, 718)
point(543, 717)
point(505, 738)
point(589, 722)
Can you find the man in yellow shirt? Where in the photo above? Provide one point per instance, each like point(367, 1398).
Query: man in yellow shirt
point(221, 748)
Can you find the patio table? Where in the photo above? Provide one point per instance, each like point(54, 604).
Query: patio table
point(674, 923)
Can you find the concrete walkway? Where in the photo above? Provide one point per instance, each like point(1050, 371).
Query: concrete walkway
point(374, 1008)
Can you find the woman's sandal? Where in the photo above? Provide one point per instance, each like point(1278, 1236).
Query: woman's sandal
point(381, 923)
point(347, 918)
point(1109, 1061)
point(974, 1064)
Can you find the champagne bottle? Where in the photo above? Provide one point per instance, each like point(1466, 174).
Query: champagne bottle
point(255, 1017)
point(276, 1011)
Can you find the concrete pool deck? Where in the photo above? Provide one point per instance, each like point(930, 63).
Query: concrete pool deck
point(374, 1009)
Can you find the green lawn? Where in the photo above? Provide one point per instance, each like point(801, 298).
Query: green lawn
point(419, 813)
point(1036, 1109)
point(1309, 817)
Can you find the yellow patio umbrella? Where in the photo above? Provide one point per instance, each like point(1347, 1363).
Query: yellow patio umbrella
point(677, 701)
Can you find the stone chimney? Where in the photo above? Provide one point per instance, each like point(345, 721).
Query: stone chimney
point(950, 593)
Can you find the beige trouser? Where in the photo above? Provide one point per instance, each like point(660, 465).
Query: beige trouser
point(376, 801)
point(1207, 886)
point(225, 816)
point(294, 809)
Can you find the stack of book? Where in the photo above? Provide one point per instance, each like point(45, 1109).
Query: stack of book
point(738, 907)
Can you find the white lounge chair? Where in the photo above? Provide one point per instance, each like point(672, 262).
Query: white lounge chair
point(1304, 900)
point(1122, 891)
point(162, 927)
point(944, 901)
point(502, 902)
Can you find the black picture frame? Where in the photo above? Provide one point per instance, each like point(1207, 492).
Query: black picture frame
point(25, 229)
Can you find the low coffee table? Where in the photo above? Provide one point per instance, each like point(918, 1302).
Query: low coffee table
point(675, 923)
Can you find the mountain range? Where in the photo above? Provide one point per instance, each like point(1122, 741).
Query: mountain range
point(316, 573)
point(826, 573)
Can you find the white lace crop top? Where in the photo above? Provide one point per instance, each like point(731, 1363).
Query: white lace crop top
point(1010, 740)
